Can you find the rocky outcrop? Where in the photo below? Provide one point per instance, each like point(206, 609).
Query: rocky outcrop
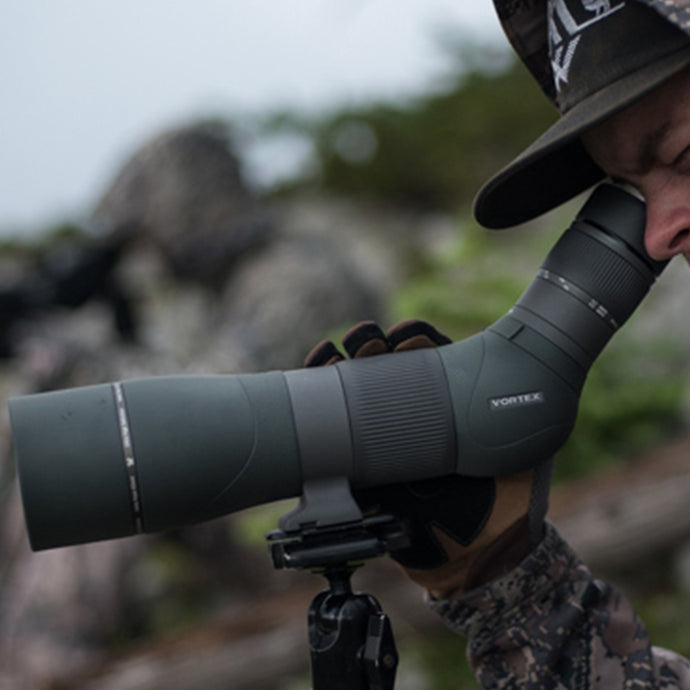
point(184, 192)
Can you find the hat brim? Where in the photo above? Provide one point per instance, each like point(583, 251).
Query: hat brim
point(556, 167)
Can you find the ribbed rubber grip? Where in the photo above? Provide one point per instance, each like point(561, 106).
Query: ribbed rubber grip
point(401, 417)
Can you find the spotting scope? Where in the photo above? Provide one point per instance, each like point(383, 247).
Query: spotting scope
point(151, 454)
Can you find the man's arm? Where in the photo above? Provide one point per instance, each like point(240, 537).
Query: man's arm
point(550, 624)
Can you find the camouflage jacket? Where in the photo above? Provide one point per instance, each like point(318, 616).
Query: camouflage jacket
point(550, 624)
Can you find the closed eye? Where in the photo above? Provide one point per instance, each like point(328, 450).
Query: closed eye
point(682, 161)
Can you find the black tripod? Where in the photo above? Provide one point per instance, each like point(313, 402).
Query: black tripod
point(350, 637)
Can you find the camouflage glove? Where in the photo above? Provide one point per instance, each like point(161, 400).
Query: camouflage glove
point(464, 531)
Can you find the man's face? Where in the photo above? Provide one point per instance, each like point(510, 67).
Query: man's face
point(648, 146)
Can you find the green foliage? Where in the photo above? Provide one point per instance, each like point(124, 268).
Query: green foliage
point(464, 287)
point(631, 400)
point(437, 155)
point(170, 592)
point(434, 152)
point(658, 589)
point(473, 279)
point(665, 614)
point(253, 524)
point(22, 248)
point(441, 657)
point(65, 231)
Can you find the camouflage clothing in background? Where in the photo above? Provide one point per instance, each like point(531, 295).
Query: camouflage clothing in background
point(550, 624)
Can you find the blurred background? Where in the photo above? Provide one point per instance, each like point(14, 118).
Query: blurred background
point(213, 187)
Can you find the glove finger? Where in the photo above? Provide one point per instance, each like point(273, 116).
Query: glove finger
point(365, 339)
point(414, 334)
point(323, 354)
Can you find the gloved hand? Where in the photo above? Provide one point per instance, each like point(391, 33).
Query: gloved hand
point(464, 531)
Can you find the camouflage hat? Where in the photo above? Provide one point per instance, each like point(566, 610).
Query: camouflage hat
point(592, 58)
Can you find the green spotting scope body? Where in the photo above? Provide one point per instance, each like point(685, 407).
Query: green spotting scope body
point(145, 455)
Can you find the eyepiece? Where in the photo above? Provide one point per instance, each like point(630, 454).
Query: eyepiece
point(593, 278)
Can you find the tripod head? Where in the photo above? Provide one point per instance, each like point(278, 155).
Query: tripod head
point(350, 637)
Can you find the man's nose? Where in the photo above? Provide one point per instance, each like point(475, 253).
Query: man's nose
point(668, 232)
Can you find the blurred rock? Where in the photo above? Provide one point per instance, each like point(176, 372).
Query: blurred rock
point(183, 191)
point(277, 306)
